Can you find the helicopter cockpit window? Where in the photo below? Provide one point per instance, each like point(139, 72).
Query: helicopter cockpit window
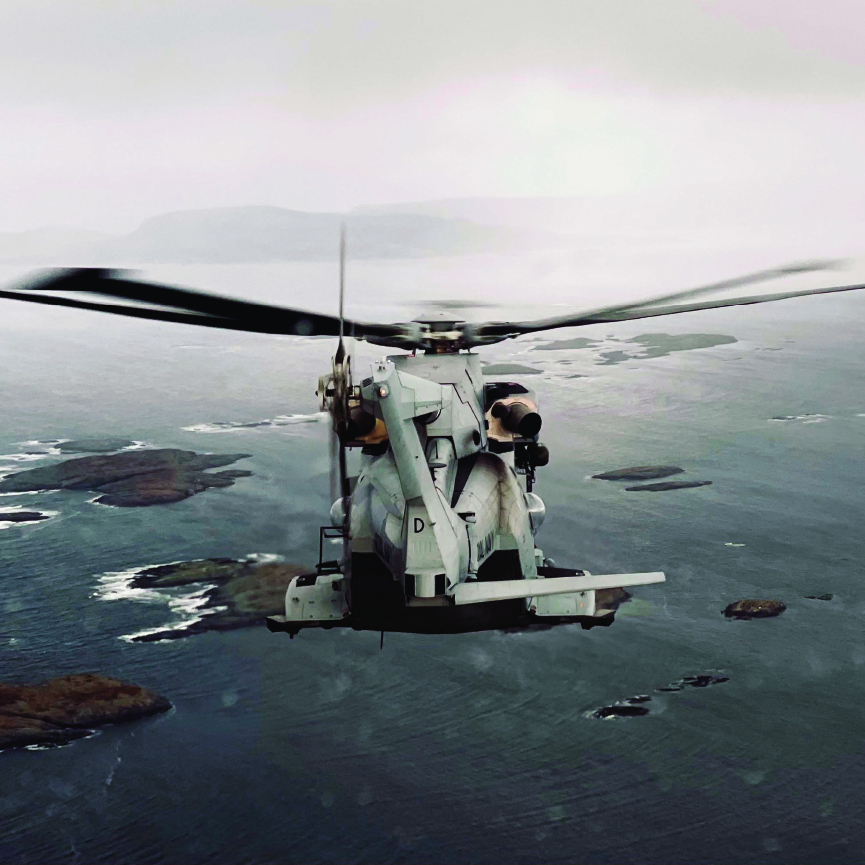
point(306, 580)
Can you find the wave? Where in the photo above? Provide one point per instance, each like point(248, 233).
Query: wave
point(189, 604)
point(267, 423)
point(265, 558)
point(31, 456)
point(804, 418)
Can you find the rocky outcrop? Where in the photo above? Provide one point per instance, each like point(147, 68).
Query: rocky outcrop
point(136, 478)
point(639, 473)
point(632, 707)
point(69, 707)
point(701, 681)
point(620, 710)
point(243, 593)
point(611, 599)
point(753, 608)
point(667, 485)
point(22, 516)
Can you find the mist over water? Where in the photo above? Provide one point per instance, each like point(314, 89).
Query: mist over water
point(475, 747)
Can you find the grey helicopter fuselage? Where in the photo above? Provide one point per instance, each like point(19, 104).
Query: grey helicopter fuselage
point(439, 529)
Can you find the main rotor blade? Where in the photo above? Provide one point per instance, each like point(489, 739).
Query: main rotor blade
point(196, 307)
point(505, 329)
point(340, 349)
point(652, 312)
point(302, 325)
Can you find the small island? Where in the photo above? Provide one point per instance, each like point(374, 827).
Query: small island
point(69, 707)
point(667, 485)
point(639, 473)
point(754, 608)
point(22, 516)
point(242, 593)
point(134, 478)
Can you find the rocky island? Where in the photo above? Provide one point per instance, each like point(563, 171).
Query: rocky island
point(754, 608)
point(242, 593)
point(135, 478)
point(667, 485)
point(639, 473)
point(69, 707)
point(22, 516)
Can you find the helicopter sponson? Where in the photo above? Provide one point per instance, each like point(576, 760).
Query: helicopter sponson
point(439, 528)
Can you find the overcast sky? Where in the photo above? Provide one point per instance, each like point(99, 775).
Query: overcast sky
point(114, 110)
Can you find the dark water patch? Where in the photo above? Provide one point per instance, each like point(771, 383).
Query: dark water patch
point(563, 344)
point(509, 369)
point(611, 358)
point(662, 344)
point(667, 485)
point(639, 473)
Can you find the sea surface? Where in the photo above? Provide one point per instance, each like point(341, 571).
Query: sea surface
point(469, 748)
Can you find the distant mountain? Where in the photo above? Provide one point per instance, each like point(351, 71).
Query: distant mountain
point(815, 215)
point(260, 234)
point(682, 209)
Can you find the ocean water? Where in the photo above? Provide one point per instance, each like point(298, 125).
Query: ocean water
point(469, 748)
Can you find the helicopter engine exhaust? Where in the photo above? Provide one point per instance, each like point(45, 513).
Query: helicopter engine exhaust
point(518, 418)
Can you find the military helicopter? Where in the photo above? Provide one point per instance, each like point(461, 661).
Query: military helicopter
point(437, 530)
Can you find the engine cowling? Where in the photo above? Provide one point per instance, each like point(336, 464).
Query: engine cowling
point(518, 418)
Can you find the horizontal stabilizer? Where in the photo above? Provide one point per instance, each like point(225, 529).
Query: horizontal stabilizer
point(505, 590)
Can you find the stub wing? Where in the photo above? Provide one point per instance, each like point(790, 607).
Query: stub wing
point(504, 590)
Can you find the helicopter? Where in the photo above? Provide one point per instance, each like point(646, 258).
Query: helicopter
point(437, 530)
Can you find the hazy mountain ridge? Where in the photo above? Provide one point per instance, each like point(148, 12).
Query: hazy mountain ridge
point(260, 234)
point(732, 213)
point(684, 209)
